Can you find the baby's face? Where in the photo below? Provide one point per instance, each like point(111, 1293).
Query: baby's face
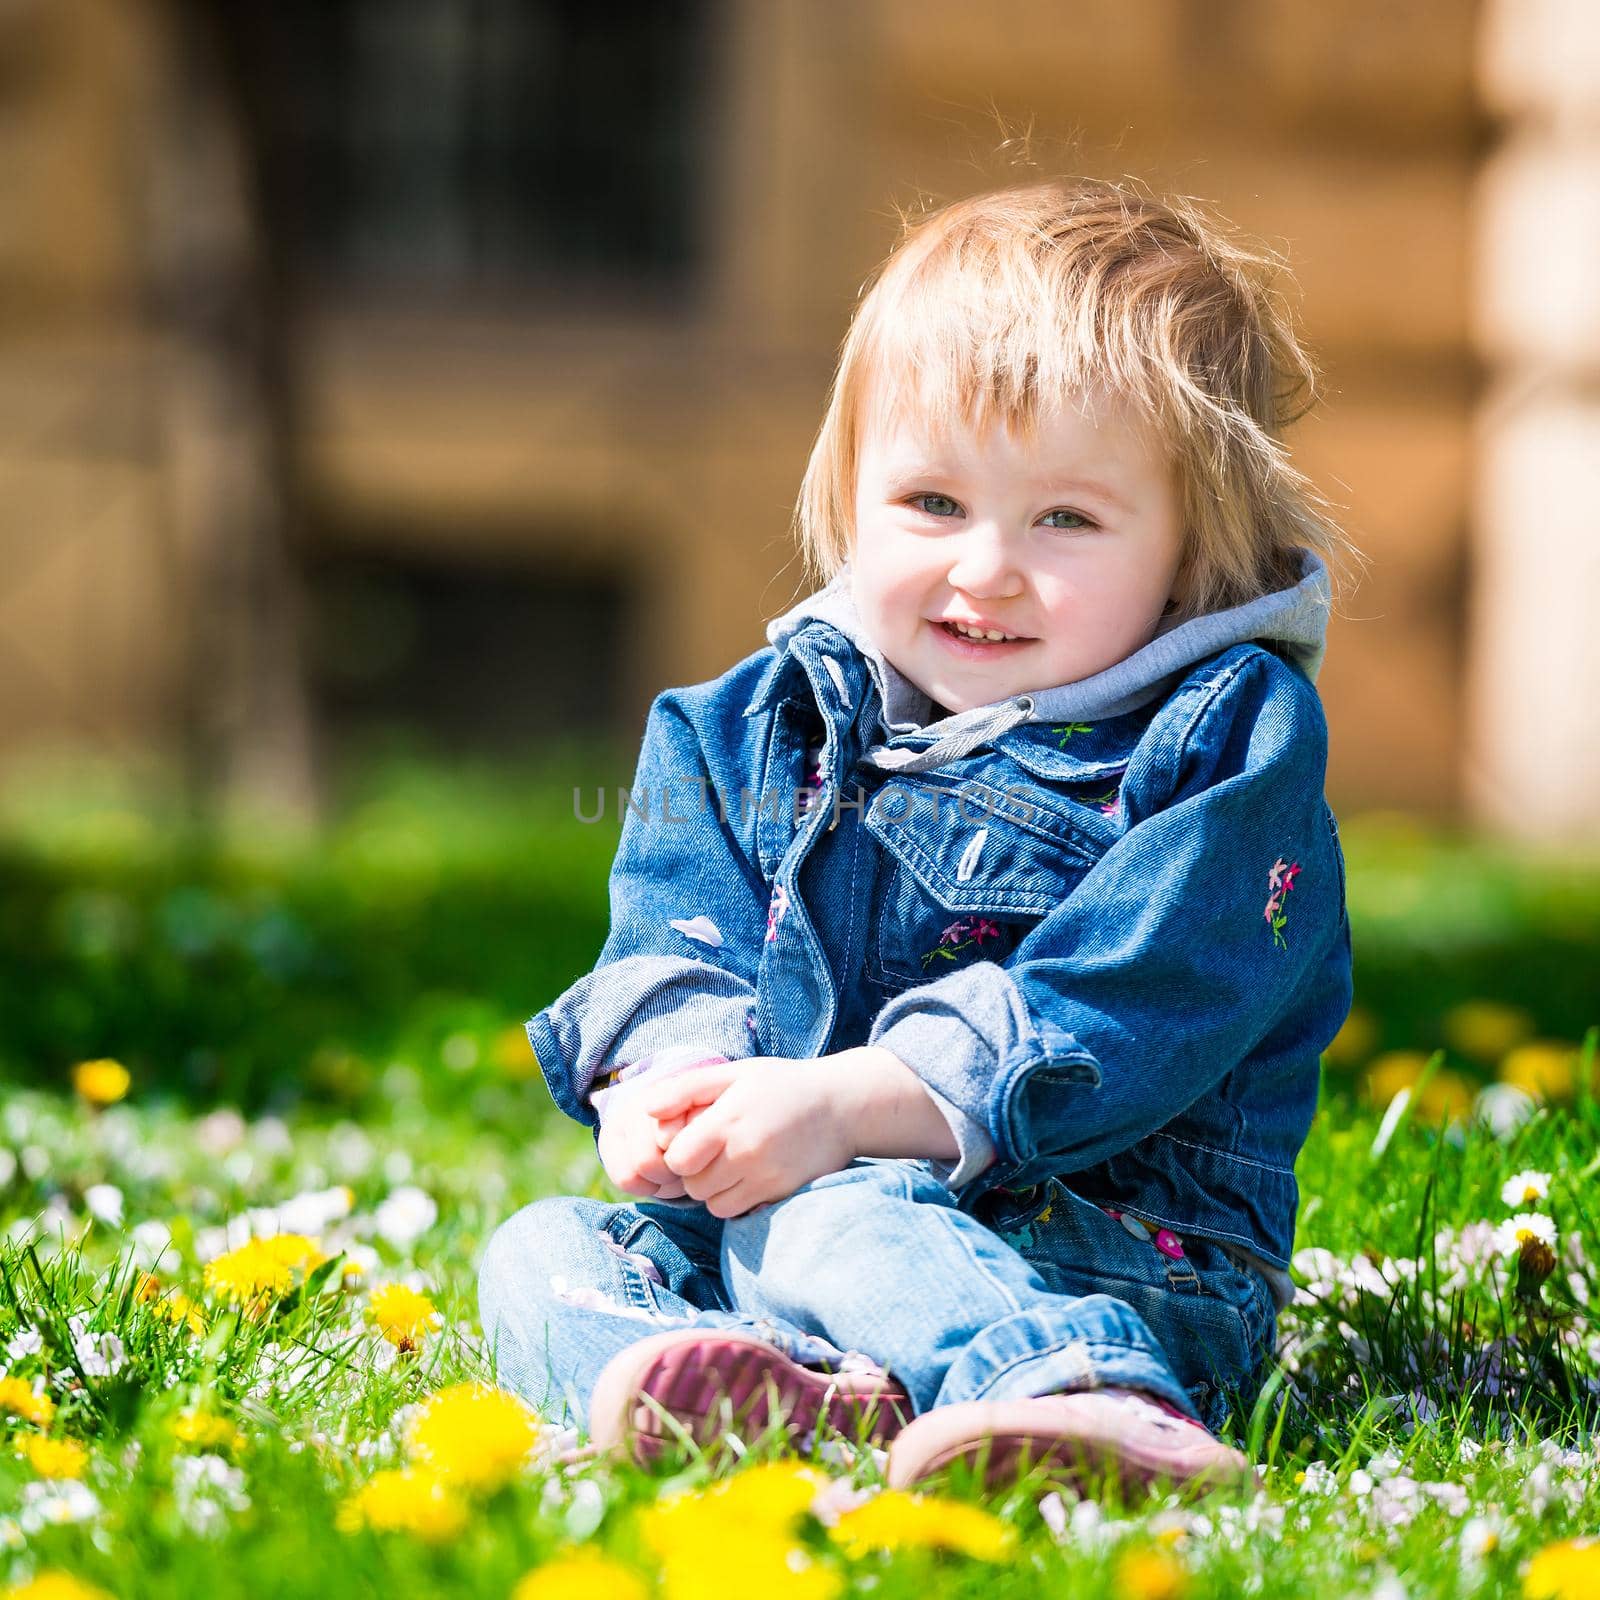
point(1068, 543)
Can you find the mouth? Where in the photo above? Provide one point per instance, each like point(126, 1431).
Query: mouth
point(974, 643)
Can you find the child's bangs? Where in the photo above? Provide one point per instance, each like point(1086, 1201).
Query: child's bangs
point(965, 349)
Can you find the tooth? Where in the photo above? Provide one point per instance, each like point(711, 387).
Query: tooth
point(995, 633)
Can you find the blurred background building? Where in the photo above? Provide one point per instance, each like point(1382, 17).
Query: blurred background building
point(450, 365)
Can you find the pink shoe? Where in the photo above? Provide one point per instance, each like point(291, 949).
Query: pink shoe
point(1089, 1433)
point(708, 1382)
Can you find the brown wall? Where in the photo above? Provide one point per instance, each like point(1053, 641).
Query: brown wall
point(671, 443)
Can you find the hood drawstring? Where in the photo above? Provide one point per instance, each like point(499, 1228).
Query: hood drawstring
point(960, 741)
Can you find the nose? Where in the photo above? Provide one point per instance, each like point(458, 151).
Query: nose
point(984, 564)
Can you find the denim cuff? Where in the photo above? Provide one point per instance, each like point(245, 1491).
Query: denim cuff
point(974, 1147)
point(971, 1039)
point(623, 1081)
point(631, 1008)
point(1090, 1364)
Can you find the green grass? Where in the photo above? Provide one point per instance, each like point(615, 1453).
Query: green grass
point(354, 995)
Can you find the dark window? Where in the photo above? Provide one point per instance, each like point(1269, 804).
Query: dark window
point(461, 659)
point(497, 145)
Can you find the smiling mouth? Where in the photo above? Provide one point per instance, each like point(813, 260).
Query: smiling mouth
point(981, 636)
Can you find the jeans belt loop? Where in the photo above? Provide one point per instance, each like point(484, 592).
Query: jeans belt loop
point(1181, 1276)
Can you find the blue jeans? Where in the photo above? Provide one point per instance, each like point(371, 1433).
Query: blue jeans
point(1042, 1294)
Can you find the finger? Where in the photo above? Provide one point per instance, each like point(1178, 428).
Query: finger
point(650, 1165)
point(735, 1200)
point(669, 1130)
point(714, 1177)
point(684, 1091)
point(695, 1149)
point(633, 1184)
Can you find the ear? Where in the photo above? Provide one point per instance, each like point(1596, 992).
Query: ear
point(1182, 584)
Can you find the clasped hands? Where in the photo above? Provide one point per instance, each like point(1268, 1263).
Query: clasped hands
point(738, 1134)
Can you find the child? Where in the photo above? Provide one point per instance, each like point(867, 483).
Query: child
point(973, 945)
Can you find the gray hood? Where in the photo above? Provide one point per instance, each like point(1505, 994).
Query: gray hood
point(1295, 619)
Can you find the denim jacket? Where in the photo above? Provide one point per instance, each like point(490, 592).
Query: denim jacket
point(1104, 923)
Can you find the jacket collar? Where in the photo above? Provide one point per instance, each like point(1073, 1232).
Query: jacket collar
point(1294, 620)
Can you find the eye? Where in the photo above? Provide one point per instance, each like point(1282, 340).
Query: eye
point(1080, 521)
point(935, 505)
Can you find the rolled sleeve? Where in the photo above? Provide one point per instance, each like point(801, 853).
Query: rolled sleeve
point(688, 911)
point(971, 1039)
point(974, 1148)
point(632, 1008)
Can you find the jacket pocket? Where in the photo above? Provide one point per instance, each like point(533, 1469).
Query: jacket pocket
point(965, 870)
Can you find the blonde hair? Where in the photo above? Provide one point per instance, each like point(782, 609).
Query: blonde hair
point(1022, 300)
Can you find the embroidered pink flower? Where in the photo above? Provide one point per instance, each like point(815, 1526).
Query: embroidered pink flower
point(962, 934)
point(1280, 880)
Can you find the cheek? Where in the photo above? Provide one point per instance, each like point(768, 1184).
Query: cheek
point(887, 578)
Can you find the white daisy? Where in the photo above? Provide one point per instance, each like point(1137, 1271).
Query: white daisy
point(104, 1201)
point(1511, 1233)
point(100, 1355)
point(206, 1488)
point(47, 1503)
point(1526, 1188)
point(1480, 1538)
point(29, 1342)
point(405, 1215)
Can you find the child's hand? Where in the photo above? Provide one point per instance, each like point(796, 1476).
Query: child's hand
point(758, 1130)
point(631, 1146)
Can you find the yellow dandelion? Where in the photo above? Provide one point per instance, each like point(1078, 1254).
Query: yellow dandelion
point(1486, 1029)
point(739, 1534)
point(55, 1585)
point(514, 1055)
point(719, 1561)
point(262, 1270)
point(403, 1316)
point(54, 1458)
point(476, 1436)
point(1446, 1094)
point(581, 1575)
point(102, 1082)
point(178, 1309)
point(773, 1493)
point(405, 1501)
point(294, 1250)
point(1354, 1042)
point(1391, 1072)
point(205, 1430)
point(1150, 1575)
point(1544, 1068)
point(896, 1520)
point(770, 1498)
point(17, 1399)
point(1566, 1571)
